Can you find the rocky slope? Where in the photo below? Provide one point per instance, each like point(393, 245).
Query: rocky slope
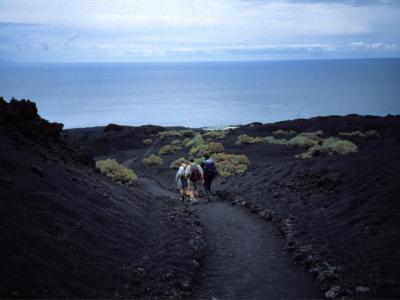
point(67, 231)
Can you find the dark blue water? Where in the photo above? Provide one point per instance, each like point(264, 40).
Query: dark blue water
point(204, 94)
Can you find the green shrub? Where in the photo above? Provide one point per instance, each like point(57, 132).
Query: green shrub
point(284, 132)
point(195, 141)
point(248, 140)
point(231, 164)
point(186, 141)
point(147, 141)
point(177, 162)
point(329, 146)
point(169, 133)
point(272, 140)
point(167, 149)
point(153, 160)
point(177, 144)
point(215, 134)
point(215, 148)
point(118, 173)
point(363, 134)
point(210, 148)
point(306, 139)
point(187, 133)
point(244, 139)
point(198, 149)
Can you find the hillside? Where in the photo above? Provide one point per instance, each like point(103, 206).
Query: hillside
point(339, 213)
point(69, 232)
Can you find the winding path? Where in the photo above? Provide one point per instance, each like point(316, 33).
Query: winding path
point(245, 257)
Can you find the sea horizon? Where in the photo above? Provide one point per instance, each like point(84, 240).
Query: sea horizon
point(204, 94)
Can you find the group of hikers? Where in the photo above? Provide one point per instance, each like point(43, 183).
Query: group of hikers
point(190, 176)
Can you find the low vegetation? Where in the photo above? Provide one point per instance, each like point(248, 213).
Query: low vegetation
point(116, 171)
point(248, 140)
point(188, 133)
point(215, 134)
point(147, 141)
point(169, 133)
point(306, 139)
point(202, 149)
point(284, 132)
point(329, 146)
point(363, 134)
point(153, 160)
point(231, 164)
point(167, 149)
point(177, 144)
point(177, 162)
point(244, 139)
point(195, 141)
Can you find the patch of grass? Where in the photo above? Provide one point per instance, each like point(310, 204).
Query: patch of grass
point(167, 149)
point(195, 141)
point(248, 140)
point(210, 148)
point(147, 141)
point(284, 132)
point(306, 139)
point(188, 133)
point(169, 133)
point(272, 140)
point(177, 162)
point(153, 160)
point(215, 134)
point(244, 139)
point(329, 146)
point(363, 134)
point(177, 144)
point(198, 149)
point(116, 171)
point(231, 164)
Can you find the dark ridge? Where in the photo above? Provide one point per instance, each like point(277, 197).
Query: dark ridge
point(67, 231)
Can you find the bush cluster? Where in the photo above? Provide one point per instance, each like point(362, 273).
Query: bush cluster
point(153, 160)
point(177, 162)
point(306, 139)
point(147, 141)
point(215, 134)
point(202, 149)
point(284, 132)
point(167, 149)
point(244, 139)
point(169, 133)
point(363, 134)
point(177, 144)
point(329, 146)
point(116, 171)
point(231, 164)
point(195, 141)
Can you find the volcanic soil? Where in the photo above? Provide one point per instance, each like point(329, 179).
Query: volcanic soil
point(339, 215)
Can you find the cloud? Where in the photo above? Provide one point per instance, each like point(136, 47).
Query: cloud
point(149, 29)
point(44, 46)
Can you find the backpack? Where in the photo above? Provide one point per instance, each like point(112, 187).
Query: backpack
point(209, 168)
point(195, 175)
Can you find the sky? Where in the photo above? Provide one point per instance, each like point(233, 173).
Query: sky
point(197, 30)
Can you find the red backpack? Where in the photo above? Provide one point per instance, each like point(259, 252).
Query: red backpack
point(195, 175)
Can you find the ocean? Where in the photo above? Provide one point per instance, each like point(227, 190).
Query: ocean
point(204, 94)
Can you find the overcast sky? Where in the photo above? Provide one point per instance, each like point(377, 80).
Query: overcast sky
point(190, 30)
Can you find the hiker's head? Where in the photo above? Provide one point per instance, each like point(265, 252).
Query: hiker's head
point(206, 155)
point(183, 164)
point(191, 159)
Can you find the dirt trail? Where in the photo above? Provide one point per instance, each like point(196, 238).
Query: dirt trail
point(245, 257)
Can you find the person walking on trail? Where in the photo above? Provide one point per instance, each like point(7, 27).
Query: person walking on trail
point(181, 181)
point(210, 172)
point(194, 175)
